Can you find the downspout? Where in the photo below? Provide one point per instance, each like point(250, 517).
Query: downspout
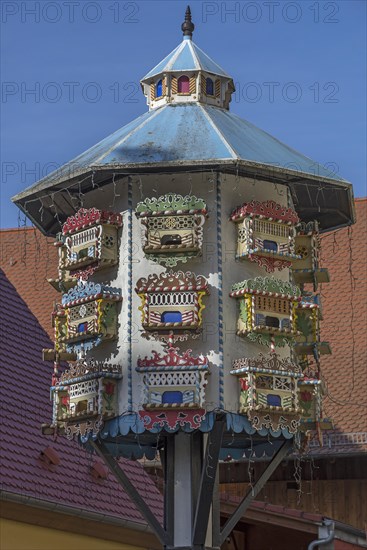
point(330, 527)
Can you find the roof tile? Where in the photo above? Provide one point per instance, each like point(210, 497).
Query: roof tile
point(25, 406)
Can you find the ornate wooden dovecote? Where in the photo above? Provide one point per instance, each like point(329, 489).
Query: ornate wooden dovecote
point(268, 390)
point(173, 227)
point(65, 280)
point(308, 318)
point(310, 392)
point(173, 381)
point(90, 241)
point(84, 395)
point(265, 234)
point(267, 310)
point(307, 246)
point(172, 302)
point(88, 316)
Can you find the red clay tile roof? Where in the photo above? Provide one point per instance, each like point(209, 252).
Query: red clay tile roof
point(344, 300)
point(28, 259)
point(25, 381)
point(273, 508)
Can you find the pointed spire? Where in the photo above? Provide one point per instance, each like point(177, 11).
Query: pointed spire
point(188, 26)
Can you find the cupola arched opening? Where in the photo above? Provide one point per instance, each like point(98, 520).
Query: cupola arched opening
point(209, 86)
point(183, 85)
point(159, 88)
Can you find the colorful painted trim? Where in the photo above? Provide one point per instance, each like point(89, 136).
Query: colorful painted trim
point(130, 292)
point(269, 264)
point(171, 203)
point(308, 228)
point(83, 292)
point(134, 423)
point(268, 286)
point(172, 359)
point(220, 294)
point(83, 370)
point(172, 282)
point(268, 209)
point(272, 362)
point(85, 218)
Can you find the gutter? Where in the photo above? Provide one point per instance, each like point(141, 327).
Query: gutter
point(74, 511)
point(328, 526)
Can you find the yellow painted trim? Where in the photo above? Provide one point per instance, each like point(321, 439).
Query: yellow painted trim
point(143, 298)
point(174, 85)
point(15, 535)
point(248, 301)
point(99, 314)
point(201, 306)
point(294, 315)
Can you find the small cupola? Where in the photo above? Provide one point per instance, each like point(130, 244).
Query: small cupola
point(187, 75)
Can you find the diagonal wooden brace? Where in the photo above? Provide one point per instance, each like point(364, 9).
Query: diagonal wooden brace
point(129, 488)
point(246, 501)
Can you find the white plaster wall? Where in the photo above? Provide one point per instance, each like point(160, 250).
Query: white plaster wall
point(235, 191)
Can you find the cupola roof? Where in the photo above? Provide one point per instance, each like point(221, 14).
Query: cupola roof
point(187, 56)
point(191, 129)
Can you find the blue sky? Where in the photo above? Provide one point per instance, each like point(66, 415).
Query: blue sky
point(71, 71)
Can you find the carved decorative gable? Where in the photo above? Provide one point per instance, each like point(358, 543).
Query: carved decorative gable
point(265, 234)
point(173, 227)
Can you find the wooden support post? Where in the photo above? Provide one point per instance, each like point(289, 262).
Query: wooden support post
point(129, 488)
point(246, 501)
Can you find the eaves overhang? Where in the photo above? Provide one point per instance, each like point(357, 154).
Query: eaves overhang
point(49, 202)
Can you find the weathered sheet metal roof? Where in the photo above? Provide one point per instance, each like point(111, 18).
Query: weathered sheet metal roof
point(186, 57)
point(194, 136)
point(185, 133)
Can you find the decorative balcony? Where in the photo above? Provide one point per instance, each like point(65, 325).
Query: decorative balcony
point(89, 242)
point(267, 310)
point(84, 396)
point(173, 227)
point(268, 391)
point(265, 234)
point(172, 302)
point(307, 246)
point(173, 381)
point(86, 317)
point(308, 316)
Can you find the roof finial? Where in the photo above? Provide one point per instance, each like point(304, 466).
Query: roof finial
point(188, 26)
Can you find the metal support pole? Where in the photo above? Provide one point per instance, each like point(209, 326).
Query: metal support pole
point(182, 490)
point(129, 488)
point(246, 501)
point(169, 488)
point(207, 483)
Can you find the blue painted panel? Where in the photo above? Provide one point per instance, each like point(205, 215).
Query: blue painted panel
point(159, 88)
point(171, 317)
point(270, 245)
point(209, 86)
point(172, 397)
point(82, 327)
point(274, 400)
